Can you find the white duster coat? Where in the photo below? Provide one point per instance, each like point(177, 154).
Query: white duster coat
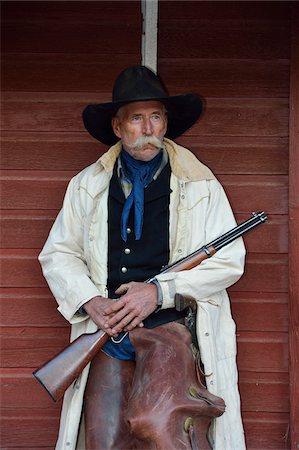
point(74, 263)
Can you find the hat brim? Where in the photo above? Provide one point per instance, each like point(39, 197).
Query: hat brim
point(182, 110)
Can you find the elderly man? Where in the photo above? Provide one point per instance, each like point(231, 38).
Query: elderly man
point(145, 203)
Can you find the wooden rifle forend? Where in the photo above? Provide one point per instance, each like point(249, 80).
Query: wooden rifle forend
point(62, 370)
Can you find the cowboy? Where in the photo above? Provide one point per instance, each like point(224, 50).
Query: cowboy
point(145, 203)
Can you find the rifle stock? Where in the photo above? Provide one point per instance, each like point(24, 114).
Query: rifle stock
point(58, 373)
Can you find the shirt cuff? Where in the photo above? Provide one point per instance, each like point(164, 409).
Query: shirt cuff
point(81, 311)
point(160, 294)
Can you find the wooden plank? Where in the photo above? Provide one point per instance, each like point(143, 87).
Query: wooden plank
point(272, 238)
point(42, 116)
point(264, 392)
point(21, 431)
point(209, 78)
point(34, 448)
point(225, 77)
point(272, 422)
point(102, 28)
point(45, 190)
point(74, 151)
point(265, 273)
point(228, 117)
point(231, 34)
point(259, 391)
point(25, 229)
point(30, 307)
point(99, 38)
point(263, 431)
point(49, 151)
point(266, 431)
point(240, 155)
point(31, 347)
point(240, 117)
point(260, 311)
point(253, 311)
point(256, 193)
point(294, 231)
point(263, 351)
point(228, 40)
point(237, 11)
point(88, 10)
point(19, 190)
point(21, 390)
point(65, 71)
point(84, 11)
point(30, 228)
point(21, 268)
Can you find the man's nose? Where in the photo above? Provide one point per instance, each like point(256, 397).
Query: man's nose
point(147, 127)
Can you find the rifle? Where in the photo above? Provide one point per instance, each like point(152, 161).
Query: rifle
point(58, 373)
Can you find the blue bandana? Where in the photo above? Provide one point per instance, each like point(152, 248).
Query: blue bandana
point(140, 174)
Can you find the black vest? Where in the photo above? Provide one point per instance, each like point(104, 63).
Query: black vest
point(140, 260)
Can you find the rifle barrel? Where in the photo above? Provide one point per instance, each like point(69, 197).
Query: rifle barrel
point(224, 239)
point(238, 231)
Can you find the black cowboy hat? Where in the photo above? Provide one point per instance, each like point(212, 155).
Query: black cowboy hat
point(136, 84)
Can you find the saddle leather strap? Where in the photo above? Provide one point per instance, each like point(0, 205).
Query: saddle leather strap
point(188, 426)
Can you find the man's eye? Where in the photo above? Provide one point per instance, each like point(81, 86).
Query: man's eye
point(136, 118)
point(156, 117)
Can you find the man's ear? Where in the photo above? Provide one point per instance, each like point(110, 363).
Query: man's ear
point(115, 126)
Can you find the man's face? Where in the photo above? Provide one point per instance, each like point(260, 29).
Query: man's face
point(141, 127)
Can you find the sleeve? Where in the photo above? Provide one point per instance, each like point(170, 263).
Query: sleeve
point(62, 258)
point(218, 272)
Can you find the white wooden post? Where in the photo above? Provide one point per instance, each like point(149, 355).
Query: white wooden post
point(149, 42)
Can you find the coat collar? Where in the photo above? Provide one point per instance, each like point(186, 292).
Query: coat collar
point(184, 164)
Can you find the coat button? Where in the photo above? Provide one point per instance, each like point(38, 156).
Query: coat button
point(127, 251)
point(124, 269)
point(129, 230)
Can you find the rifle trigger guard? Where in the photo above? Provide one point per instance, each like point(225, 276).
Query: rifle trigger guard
point(115, 341)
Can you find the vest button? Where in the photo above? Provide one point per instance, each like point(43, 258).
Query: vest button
point(127, 251)
point(124, 269)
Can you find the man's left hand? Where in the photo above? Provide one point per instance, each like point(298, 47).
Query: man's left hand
point(138, 300)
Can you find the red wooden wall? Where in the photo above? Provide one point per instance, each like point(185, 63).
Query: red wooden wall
point(237, 55)
point(59, 56)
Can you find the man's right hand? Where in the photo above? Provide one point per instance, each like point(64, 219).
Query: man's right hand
point(95, 309)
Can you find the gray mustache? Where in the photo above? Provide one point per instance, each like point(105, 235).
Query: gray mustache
point(143, 140)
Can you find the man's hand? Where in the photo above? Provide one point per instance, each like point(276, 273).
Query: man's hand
point(138, 301)
point(95, 309)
